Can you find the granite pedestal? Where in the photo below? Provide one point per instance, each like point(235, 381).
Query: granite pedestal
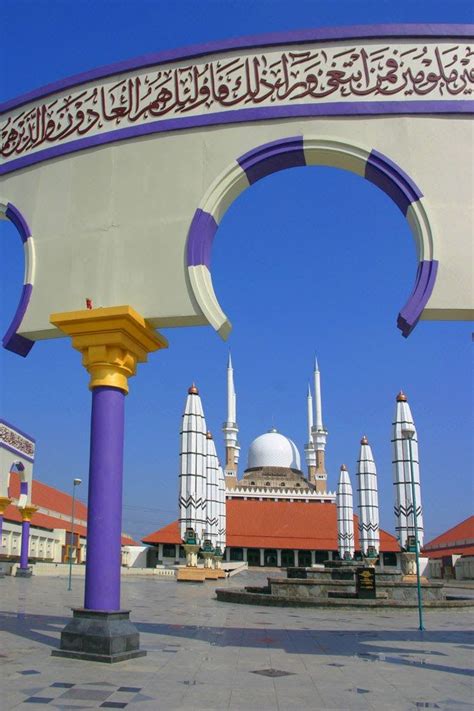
point(99, 636)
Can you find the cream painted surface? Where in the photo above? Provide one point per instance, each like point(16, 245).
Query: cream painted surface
point(111, 223)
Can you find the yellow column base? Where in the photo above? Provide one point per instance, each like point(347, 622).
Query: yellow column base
point(4, 504)
point(26, 512)
point(112, 341)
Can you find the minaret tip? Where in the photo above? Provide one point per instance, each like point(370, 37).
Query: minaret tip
point(364, 440)
point(309, 389)
point(401, 397)
point(343, 468)
point(316, 366)
point(229, 360)
point(193, 390)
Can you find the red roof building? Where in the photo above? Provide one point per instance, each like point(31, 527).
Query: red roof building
point(458, 540)
point(50, 525)
point(275, 533)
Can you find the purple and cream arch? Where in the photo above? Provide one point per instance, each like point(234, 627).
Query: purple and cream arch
point(306, 151)
point(13, 341)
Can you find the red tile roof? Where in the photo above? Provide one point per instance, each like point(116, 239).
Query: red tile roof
point(458, 540)
point(278, 524)
point(47, 497)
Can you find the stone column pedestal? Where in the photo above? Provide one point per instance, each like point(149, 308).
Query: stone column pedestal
point(99, 636)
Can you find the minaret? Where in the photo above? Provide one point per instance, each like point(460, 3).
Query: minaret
point(212, 492)
point(402, 475)
point(192, 477)
point(319, 434)
point(345, 515)
point(369, 535)
point(222, 523)
point(231, 430)
point(309, 446)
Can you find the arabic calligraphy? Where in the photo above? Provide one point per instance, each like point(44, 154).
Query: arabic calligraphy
point(17, 441)
point(317, 73)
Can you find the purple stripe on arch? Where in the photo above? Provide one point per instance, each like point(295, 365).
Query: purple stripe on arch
point(390, 178)
point(272, 157)
point(14, 215)
point(425, 281)
point(200, 238)
point(12, 341)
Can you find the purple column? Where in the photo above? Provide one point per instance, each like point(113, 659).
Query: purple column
point(25, 537)
point(104, 518)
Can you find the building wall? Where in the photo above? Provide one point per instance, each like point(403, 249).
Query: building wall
point(44, 545)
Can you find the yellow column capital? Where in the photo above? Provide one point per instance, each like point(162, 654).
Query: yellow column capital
point(4, 504)
point(112, 341)
point(26, 512)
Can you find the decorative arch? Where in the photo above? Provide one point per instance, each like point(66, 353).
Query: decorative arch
point(12, 341)
point(299, 151)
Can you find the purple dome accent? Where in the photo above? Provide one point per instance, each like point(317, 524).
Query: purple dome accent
point(15, 216)
point(425, 281)
point(201, 235)
point(390, 178)
point(272, 157)
point(12, 341)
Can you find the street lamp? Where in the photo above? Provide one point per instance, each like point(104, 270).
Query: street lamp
point(75, 482)
point(408, 432)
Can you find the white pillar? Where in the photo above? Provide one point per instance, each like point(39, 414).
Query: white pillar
point(313, 557)
point(245, 555)
point(297, 562)
point(227, 554)
point(262, 556)
point(279, 557)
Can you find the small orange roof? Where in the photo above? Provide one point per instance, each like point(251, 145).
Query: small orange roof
point(458, 540)
point(55, 501)
point(278, 524)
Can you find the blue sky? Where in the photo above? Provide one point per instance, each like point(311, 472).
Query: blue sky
point(336, 291)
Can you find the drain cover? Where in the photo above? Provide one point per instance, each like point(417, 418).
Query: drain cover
point(271, 672)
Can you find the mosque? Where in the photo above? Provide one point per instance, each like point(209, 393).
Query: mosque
point(277, 515)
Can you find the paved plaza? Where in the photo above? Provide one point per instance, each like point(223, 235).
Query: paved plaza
point(203, 654)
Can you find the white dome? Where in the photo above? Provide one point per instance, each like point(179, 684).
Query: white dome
point(273, 450)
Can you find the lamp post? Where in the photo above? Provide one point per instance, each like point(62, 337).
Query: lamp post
point(408, 432)
point(75, 482)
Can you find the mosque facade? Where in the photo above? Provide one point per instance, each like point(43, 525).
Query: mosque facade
point(276, 513)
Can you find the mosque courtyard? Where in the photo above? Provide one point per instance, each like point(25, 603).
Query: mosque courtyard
point(204, 654)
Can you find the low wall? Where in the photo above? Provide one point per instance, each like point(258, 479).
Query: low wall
point(319, 589)
point(62, 570)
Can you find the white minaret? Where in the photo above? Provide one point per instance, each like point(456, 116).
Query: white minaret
point(345, 515)
point(369, 534)
point(309, 450)
point(402, 474)
point(221, 533)
point(192, 477)
point(319, 434)
point(231, 431)
point(212, 492)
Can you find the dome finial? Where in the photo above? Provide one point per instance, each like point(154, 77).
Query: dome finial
point(208, 435)
point(401, 397)
point(193, 390)
point(364, 440)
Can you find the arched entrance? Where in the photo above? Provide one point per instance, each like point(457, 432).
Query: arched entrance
point(310, 151)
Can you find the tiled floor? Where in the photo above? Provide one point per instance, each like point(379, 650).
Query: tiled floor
point(203, 654)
